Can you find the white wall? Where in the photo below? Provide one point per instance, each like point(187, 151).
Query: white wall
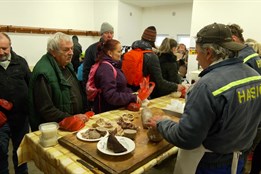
point(66, 14)
point(133, 20)
point(129, 23)
point(244, 13)
point(105, 11)
point(166, 22)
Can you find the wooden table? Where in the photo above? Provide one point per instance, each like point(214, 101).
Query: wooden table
point(62, 159)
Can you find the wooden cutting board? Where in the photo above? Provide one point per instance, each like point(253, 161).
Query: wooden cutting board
point(145, 150)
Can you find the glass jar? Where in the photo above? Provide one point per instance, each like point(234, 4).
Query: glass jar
point(154, 135)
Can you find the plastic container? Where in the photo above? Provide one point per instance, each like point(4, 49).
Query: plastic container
point(48, 142)
point(49, 130)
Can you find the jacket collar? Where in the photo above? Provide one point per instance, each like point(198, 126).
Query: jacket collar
point(116, 64)
point(141, 44)
point(13, 58)
point(226, 62)
point(57, 69)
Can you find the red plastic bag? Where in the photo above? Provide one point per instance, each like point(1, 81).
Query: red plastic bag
point(3, 119)
point(133, 107)
point(183, 92)
point(72, 123)
point(6, 104)
point(146, 88)
point(89, 114)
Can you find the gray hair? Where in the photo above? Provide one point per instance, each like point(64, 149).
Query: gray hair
point(2, 34)
point(54, 41)
point(219, 52)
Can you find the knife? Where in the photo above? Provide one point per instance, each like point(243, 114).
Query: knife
point(88, 166)
point(172, 113)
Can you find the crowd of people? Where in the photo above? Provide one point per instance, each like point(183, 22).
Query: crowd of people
point(222, 105)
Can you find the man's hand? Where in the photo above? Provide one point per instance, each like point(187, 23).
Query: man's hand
point(152, 122)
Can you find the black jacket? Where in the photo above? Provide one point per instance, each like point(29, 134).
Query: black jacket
point(169, 67)
point(151, 67)
point(77, 50)
point(89, 60)
point(14, 83)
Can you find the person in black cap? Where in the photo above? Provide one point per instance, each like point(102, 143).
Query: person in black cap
point(151, 65)
point(222, 112)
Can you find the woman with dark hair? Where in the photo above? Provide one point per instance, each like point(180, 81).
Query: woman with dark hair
point(182, 54)
point(114, 91)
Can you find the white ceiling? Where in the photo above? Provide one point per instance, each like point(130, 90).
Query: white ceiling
point(153, 3)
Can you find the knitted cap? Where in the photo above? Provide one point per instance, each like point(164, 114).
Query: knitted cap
point(149, 34)
point(106, 27)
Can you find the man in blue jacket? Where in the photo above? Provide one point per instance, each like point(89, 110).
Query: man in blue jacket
point(252, 59)
point(248, 54)
point(222, 112)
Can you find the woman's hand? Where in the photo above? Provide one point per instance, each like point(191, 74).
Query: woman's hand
point(138, 100)
point(181, 87)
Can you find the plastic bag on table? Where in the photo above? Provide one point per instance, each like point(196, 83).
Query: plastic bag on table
point(72, 123)
point(146, 88)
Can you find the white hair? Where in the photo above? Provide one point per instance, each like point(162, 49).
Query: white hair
point(54, 41)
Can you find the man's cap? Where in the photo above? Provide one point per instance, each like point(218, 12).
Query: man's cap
point(219, 34)
point(106, 27)
point(149, 34)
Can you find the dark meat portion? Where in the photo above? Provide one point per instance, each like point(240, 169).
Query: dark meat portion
point(114, 145)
